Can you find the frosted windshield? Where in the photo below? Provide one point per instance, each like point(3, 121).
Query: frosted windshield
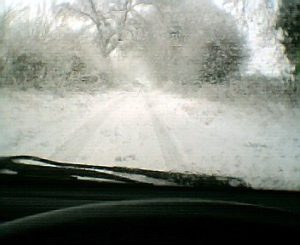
point(198, 86)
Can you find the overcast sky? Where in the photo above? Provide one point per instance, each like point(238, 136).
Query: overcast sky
point(35, 2)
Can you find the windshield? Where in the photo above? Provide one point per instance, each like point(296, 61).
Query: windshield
point(198, 86)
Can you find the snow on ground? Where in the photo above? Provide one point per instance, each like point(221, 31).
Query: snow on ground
point(156, 130)
point(34, 123)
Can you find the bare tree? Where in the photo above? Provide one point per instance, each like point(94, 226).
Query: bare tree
point(115, 21)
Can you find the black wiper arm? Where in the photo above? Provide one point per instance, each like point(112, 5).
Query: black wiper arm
point(55, 170)
point(122, 174)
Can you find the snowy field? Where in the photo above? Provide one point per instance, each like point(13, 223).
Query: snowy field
point(154, 130)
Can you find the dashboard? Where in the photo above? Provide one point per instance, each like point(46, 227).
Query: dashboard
point(38, 211)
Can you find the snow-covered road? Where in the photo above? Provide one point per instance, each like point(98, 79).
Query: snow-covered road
point(126, 131)
point(155, 130)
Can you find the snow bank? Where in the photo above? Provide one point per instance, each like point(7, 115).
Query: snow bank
point(250, 138)
point(34, 122)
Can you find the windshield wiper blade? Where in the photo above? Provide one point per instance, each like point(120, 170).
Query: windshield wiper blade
point(45, 167)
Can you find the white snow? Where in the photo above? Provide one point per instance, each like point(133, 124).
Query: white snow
point(257, 141)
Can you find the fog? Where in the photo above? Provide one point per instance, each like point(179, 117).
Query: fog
point(183, 42)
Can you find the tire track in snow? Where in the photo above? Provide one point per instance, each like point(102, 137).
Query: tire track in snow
point(126, 139)
point(172, 155)
point(74, 144)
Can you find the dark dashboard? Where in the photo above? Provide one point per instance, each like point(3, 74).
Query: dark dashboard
point(42, 209)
